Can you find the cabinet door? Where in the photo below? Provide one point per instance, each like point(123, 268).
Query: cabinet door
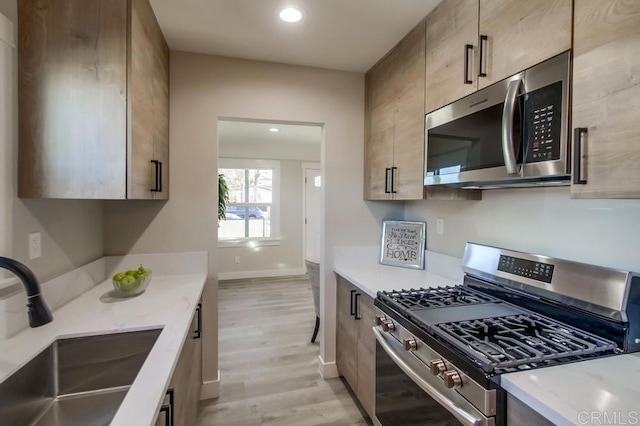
point(522, 34)
point(606, 97)
point(142, 65)
point(72, 98)
point(161, 110)
point(408, 122)
point(451, 26)
point(346, 333)
point(379, 154)
point(186, 381)
point(379, 109)
point(366, 354)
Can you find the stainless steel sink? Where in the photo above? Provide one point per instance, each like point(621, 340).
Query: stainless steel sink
point(79, 381)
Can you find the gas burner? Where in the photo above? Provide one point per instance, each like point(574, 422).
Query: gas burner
point(438, 297)
point(521, 341)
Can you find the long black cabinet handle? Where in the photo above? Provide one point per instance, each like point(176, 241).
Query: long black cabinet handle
point(198, 332)
point(157, 182)
point(577, 155)
point(481, 44)
point(357, 303)
point(171, 403)
point(160, 176)
point(352, 311)
point(467, 48)
point(386, 180)
point(393, 180)
point(167, 409)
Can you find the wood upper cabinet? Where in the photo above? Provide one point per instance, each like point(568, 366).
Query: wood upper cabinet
point(606, 98)
point(452, 39)
point(93, 100)
point(149, 107)
point(356, 345)
point(394, 122)
point(472, 44)
point(520, 34)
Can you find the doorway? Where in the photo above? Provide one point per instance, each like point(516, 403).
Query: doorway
point(264, 233)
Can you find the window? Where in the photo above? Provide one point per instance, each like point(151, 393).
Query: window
point(252, 212)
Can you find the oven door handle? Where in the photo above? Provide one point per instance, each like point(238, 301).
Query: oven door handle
point(508, 113)
point(462, 416)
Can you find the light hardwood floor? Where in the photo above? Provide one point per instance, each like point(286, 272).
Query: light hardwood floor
point(269, 367)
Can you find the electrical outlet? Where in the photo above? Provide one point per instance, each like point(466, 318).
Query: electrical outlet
point(440, 226)
point(237, 259)
point(35, 245)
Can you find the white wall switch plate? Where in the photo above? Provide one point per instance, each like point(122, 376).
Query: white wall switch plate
point(35, 245)
point(237, 259)
point(440, 226)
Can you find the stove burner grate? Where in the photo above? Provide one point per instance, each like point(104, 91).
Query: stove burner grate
point(437, 297)
point(520, 341)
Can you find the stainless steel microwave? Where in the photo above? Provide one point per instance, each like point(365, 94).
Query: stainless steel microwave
point(512, 133)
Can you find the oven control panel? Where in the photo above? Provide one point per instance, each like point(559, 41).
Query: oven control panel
point(538, 271)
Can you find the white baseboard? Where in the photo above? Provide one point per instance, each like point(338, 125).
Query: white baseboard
point(328, 370)
point(210, 389)
point(241, 275)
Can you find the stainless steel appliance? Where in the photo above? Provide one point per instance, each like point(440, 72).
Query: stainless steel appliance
point(512, 133)
point(440, 352)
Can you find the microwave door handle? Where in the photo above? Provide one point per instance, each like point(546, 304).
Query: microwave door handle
point(462, 416)
point(508, 149)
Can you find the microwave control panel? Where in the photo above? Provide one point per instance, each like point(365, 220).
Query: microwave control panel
point(538, 271)
point(543, 109)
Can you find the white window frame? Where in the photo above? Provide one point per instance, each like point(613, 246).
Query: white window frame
point(274, 215)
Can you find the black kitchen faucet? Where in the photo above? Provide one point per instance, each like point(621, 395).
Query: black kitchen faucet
point(39, 312)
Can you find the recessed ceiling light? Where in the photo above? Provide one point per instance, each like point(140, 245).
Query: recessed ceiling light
point(290, 14)
point(274, 129)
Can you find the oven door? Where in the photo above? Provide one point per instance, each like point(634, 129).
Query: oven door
point(407, 394)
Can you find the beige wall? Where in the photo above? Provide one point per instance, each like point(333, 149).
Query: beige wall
point(204, 88)
point(541, 220)
point(282, 259)
point(72, 231)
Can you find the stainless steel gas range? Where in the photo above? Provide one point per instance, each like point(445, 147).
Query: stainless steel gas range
point(440, 352)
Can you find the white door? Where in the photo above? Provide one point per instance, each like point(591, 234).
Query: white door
point(7, 167)
point(312, 209)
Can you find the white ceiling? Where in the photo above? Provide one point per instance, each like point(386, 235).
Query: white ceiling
point(247, 139)
point(349, 35)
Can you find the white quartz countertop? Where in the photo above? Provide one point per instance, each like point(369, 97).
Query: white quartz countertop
point(168, 303)
point(587, 392)
point(361, 266)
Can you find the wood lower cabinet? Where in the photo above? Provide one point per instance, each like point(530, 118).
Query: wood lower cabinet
point(520, 34)
point(394, 122)
point(93, 100)
point(606, 98)
point(183, 394)
point(355, 345)
point(519, 413)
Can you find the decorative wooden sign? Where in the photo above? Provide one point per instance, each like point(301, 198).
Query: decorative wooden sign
point(403, 244)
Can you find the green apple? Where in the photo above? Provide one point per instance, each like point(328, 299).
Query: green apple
point(128, 283)
point(131, 272)
point(119, 276)
point(139, 275)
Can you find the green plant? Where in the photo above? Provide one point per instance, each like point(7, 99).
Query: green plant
point(223, 197)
